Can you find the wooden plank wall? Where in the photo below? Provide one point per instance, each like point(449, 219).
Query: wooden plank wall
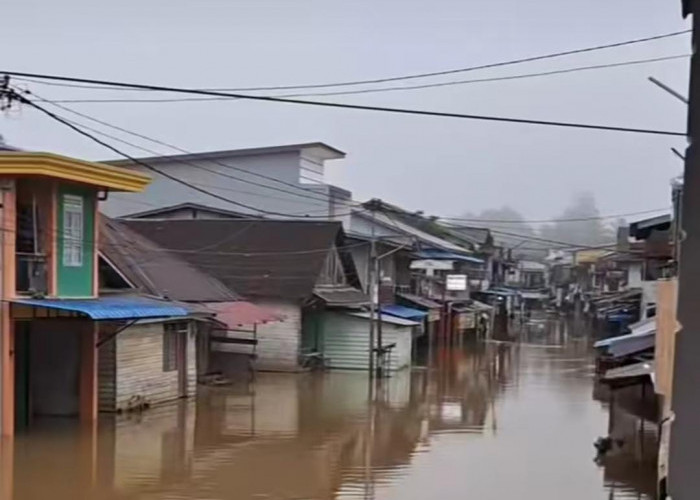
point(666, 329)
point(139, 366)
point(106, 375)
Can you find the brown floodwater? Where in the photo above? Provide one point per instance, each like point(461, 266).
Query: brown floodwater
point(496, 420)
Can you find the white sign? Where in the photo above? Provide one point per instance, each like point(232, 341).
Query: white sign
point(456, 282)
point(439, 265)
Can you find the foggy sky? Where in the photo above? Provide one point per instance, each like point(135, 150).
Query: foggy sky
point(443, 166)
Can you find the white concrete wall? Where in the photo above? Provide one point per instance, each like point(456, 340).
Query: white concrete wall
point(634, 275)
point(649, 295)
point(278, 342)
point(248, 189)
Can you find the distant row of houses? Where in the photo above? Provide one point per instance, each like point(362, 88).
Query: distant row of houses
point(629, 292)
point(123, 289)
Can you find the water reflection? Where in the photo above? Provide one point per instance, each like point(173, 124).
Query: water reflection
point(490, 420)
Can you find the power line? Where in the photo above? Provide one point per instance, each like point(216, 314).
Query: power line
point(194, 165)
point(150, 167)
point(550, 241)
point(541, 221)
point(445, 72)
point(378, 89)
point(403, 111)
point(316, 195)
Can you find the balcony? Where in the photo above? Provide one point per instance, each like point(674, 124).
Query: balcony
point(32, 275)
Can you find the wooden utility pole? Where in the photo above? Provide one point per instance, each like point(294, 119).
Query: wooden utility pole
point(684, 458)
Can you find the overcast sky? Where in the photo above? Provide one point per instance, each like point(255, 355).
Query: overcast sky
point(443, 166)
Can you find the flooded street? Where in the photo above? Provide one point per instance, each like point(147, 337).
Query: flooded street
point(496, 420)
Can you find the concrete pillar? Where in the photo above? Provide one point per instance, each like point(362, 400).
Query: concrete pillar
point(7, 459)
point(88, 374)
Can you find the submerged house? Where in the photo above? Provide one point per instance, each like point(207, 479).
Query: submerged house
point(53, 317)
point(156, 360)
point(300, 270)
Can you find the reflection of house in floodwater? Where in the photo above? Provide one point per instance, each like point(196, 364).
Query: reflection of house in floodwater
point(633, 423)
point(462, 391)
point(288, 437)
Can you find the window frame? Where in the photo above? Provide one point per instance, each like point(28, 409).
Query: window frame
point(73, 230)
point(173, 334)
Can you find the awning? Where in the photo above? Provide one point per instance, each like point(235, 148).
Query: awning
point(461, 308)
point(480, 306)
point(445, 255)
point(533, 295)
point(103, 308)
point(239, 313)
point(404, 312)
point(630, 371)
point(341, 296)
point(631, 346)
point(419, 301)
point(623, 338)
point(644, 326)
point(506, 292)
point(393, 320)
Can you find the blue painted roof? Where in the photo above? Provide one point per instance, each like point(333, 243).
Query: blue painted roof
point(433, 253)
point(404, 312)
point(132, 307)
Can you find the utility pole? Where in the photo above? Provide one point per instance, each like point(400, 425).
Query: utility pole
point(684, 456)
point(668, 89)
point(380, 343)
point(373, 292)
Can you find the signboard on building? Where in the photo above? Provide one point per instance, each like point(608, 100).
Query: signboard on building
point(437, 265)
point(456, 282)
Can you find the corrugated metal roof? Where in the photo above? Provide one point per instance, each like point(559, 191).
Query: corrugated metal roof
point(341, 296)
point(648, 329)
point(631, 345)
point(256, 258)
point(445, 255)
point(235, 314)
point(155, 271)
point(419, 301)
point(631, 371)
point(395, 224)
point(131, 307)
point(404, 312)
point(385, 319)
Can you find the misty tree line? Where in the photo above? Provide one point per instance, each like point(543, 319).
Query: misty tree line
point(511, 230)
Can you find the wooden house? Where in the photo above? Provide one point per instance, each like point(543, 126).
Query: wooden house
point(300, 270)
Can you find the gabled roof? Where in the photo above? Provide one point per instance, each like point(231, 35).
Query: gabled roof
point(422, 237)
point(156, 212)
point(319, 150)
point(475, 235)
point(263, 258)
point(643, 228)
point(155, 271)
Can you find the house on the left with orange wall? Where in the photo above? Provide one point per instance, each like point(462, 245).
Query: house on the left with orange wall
point(51, 312)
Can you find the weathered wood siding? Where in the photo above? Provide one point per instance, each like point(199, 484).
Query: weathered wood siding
point(139, 366)
point(107, 376)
